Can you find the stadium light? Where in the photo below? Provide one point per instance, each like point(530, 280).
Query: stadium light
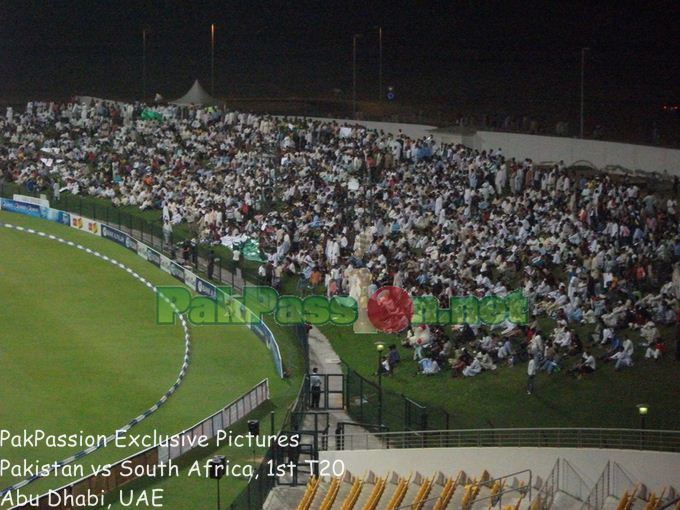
point(217, 466)
point(583, 66)
point(354, 75)
point(380, 346)
point(380, 63)
point(212, 59)
point(144, 64)
point(643, 409)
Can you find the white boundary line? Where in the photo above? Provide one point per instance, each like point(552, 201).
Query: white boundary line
point(182, 372)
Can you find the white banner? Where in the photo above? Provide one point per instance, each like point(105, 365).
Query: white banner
point(42, 202)
point(85, 224)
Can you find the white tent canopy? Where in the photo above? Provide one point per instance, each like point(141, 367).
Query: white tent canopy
point(196, 96)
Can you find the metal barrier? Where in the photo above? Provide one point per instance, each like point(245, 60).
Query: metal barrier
point(134, 240)
point(369, 402)
point(562, 478)
point(332, 392)
point(626, 439)
point(612, 482)
point(161, 453)
point(226, 272)
point(255, 493)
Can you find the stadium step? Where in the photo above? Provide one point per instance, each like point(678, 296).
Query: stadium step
point(398, 494)
point(436, 490)
point(310, 491)
point(351, 499)
point(371, 492)
point(393, 481)
point(564, 501)
point(344, 489)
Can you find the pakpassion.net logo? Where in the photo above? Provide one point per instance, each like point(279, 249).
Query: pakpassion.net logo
point(389, 309)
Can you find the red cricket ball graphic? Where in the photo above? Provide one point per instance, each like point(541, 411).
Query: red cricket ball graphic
point(390, 309)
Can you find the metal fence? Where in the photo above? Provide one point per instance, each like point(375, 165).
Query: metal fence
point(562, 478)
point(226, 271)
point(254, 495)
point(160, 453)
point(367, 401)
point(626, 439)
point(612, 482)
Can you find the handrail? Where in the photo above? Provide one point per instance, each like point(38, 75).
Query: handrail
point(494, 496)
point(499, 495)
point(620, 438)
point(670, 504)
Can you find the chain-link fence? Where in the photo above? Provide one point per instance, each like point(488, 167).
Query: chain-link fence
point(224, 271)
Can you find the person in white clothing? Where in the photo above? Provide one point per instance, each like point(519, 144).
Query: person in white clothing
point(531, 373)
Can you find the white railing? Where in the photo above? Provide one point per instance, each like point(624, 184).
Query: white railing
point(626, 439)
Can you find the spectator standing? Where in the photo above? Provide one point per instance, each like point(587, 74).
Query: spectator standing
point(236, 259)
point(211, 264)
point(531, 373)
point(315, 388)
point(167, 232)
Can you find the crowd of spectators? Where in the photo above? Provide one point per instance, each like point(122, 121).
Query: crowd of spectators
point(441, 219)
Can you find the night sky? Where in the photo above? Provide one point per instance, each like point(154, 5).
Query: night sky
point(488, 55)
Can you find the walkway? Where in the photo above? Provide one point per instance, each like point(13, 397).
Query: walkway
point(321, 353)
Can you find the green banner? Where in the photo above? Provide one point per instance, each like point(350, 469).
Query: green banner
point(251, 250)
point(151, 115)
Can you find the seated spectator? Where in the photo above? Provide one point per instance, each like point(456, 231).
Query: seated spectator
point(486, 361)
point(576, 346)
point(459, 362)
point(474, 368)
point(615, 345)
point(655, 350)
point(550, 359)
point(384, 366)
point(505, 351)
point(649, 333)
point(428, 366)
point(587, 365)
point(622, 359)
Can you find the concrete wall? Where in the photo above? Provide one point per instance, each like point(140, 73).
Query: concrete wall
point(654, 469)
point(541, 149)
point(544, 149)
point(412, 130)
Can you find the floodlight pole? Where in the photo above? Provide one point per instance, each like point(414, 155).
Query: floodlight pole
point(380, 64)
point(212, 59)
point(143, 64)
point(380, 399)
point(583, 66)
point(354, 75)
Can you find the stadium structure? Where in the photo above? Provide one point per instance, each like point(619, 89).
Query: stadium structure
point(361, 433)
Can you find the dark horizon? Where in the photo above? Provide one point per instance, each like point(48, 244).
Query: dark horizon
point(506, 58)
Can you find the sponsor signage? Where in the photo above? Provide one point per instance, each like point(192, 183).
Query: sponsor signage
point(85, 224)
point(35, 210)
point(114, 234)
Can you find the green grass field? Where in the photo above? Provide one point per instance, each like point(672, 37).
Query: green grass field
point(499, 399)
point(228, 361)
point(80, 350)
